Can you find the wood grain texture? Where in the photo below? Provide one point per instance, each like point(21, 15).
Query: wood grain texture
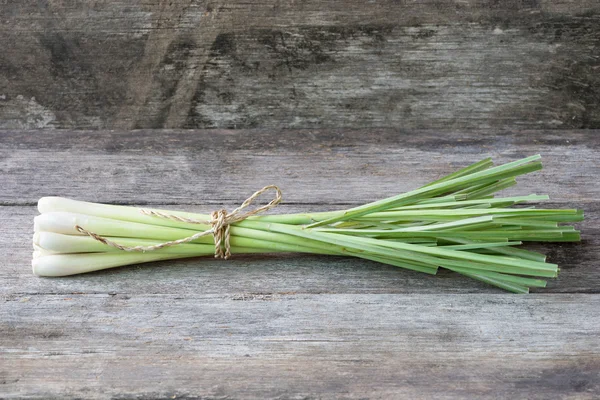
point(311, 64)
point(311, 166)
point(297, 346)
point(288, 326)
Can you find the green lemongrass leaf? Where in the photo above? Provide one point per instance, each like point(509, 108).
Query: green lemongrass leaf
point(566, 217)
point(492, 188)
point(452, 254)
point(476, 167)
point(511, 287)
point(500, 268)
point(454, 204)
point(390, 261)
point(481, 245)
point(489, 235)
point(478, 206)
point(442, 199)
point(517, 221)
point(515, 253)
point(361, 250)
point(409, 252)
point(506, 251)
point(515, 168)
point(477, 221)
point(476, 186)
point(515, 279)
point(566, 237)
point(527, 213)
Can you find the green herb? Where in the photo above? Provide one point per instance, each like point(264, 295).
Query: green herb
point(453, 223)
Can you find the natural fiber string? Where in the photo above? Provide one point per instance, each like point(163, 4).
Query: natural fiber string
point(220, 223)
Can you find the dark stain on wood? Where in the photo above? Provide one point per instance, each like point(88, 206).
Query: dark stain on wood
point(166, 80)
point(65, 75)
point(223, 45)
point(574, 81)
point(579, 379)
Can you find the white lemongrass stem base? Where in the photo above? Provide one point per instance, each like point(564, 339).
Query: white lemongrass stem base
point(131, 214)
point(70, 264)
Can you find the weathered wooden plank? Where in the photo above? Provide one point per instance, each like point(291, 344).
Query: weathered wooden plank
point(311, 166)
point(298, 346)
point(310, 64)
point(271, 275)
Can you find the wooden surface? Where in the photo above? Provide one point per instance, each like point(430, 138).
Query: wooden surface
point(289, 326)
point(302, 64)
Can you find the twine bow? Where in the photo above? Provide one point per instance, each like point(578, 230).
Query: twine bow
point(220, 224)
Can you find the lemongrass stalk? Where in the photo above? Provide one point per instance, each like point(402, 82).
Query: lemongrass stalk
point(517, 221)
point(489, 189)
point(70, 264)
point(398, 250)
point(441, 199)
point(408, 215)
point(505, 251)
point(507, 170)
point(411, 265)
point(132, 214)
point(40, 252)
point(48, 205)
point(511, 287)
point(72, 244)
point(476, 167)
point(59, 243)
point(452, 254)
point(519, 280)
point(133, 234)
point(65, 223)
point(462, 223)
point(489, 235)
point(481, 245)
point(508, 200)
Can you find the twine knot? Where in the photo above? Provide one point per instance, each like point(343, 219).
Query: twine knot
point(221, 233)
point(220, 223)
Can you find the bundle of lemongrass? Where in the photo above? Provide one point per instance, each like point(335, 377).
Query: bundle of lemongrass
point(453, 223)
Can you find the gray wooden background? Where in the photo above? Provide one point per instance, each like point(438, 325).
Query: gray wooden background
point(289, 326)
point(299, 64)
point(188, 105)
